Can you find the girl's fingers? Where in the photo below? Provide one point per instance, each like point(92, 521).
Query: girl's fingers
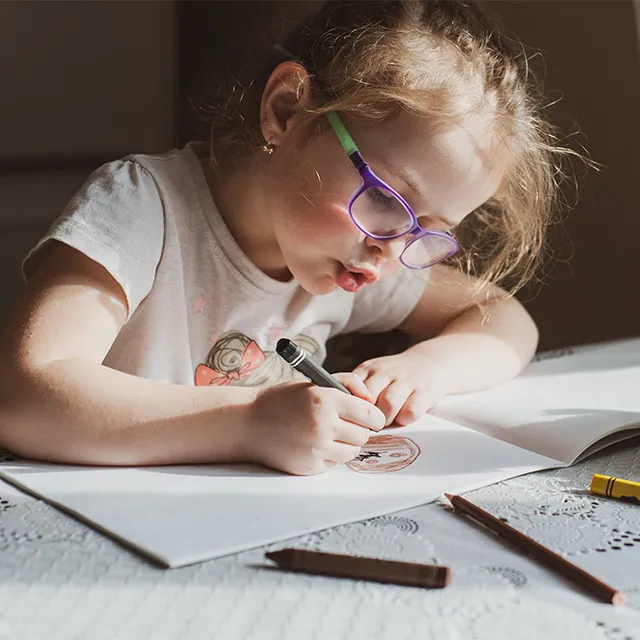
point(376, 383)
point(327, 465)
point(352, 434)
point(392, 399)
point(361, 412)
point(355, 385)
point(362, 371)
point(342, 452)
point(416, 406)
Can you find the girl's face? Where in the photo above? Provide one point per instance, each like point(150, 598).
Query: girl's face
point(443, 175)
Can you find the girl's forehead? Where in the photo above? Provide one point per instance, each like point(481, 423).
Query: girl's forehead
point(453, 168)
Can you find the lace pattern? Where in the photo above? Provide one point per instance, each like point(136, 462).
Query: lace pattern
point(60, 579)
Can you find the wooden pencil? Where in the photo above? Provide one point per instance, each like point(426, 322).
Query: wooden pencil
point(547, 557)
point(361, 568)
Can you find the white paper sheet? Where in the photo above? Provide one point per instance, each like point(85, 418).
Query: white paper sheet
point(182, 515)
point(560, 407)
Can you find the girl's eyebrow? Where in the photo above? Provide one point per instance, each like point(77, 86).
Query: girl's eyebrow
point(413, 185)
point(405, 177)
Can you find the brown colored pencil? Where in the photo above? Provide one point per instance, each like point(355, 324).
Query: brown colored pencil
point(359, 568)
point(552, 560)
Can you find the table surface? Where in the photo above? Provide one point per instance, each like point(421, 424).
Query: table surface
point(60, 579)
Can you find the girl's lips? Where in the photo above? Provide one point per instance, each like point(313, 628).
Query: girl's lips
point(369, 275)
point(353, 280)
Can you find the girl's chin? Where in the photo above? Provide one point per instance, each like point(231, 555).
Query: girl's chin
point(318, 285)
point(321, 289)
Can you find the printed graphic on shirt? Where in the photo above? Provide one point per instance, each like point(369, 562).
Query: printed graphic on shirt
point(200, 304)
point(274, 332)
point(385, 454)
point(235, 359)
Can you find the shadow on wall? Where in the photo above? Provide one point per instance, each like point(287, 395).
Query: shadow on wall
point(591, 55)
point(71, 76)
point(592, 62)
point(222, 39)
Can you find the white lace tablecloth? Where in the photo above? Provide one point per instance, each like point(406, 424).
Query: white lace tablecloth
point(60, 579)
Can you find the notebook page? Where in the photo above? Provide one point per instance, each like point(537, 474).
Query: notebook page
point(559, 407)
point(181, 515)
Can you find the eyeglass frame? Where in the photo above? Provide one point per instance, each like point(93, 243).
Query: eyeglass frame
point(371, 180)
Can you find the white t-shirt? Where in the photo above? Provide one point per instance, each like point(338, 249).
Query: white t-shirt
point(200, 312)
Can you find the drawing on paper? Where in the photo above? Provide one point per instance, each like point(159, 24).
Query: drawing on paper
point(385, 454)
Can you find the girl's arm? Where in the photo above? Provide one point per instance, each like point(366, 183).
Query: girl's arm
point(465, 346)
point(57, 401)
point(475, 345)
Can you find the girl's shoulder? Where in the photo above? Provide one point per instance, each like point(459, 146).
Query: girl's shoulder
point(194, 149)
point(175, 176)
point(176, 160)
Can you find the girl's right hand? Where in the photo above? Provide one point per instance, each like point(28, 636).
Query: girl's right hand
point(302, 429)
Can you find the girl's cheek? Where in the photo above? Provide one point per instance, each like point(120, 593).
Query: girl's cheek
point(322, 208)
point(389, 267)
point(339, 219)
point(318, 200)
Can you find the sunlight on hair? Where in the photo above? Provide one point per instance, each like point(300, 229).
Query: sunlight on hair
point(446, 61)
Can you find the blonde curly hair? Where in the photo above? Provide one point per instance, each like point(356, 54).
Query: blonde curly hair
point(441, 59)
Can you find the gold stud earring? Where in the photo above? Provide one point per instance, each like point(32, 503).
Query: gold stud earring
point(268, 147)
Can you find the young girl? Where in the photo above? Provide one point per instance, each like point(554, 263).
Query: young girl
point(392, 168)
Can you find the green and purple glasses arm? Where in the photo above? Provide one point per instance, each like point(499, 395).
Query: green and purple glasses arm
point(371, 180)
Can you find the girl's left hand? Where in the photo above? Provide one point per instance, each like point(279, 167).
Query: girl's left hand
point(405, 386)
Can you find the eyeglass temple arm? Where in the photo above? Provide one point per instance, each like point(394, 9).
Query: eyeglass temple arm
point(346, 140)
point(340, 130)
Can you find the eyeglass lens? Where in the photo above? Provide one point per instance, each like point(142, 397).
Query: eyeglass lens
point(427, 250)
point(378, 212)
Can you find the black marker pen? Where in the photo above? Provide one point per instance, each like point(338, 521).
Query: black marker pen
point(301, 361)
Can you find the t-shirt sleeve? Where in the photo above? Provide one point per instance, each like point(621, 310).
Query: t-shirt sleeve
point(117, 220)
point(385, 305)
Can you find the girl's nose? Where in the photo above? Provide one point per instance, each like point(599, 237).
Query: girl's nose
point(387, 249)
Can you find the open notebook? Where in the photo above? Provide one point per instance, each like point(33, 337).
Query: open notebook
point(563, 407)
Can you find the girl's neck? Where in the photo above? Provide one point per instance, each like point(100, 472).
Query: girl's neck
point(238, 193)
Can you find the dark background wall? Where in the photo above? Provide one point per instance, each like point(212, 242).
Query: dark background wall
point(81, 83)
point(84, 82)
point(592, 57)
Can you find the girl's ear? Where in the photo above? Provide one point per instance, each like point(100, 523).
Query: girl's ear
point(286, 94)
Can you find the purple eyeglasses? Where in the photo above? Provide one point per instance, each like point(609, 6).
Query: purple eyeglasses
point(383, 214)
